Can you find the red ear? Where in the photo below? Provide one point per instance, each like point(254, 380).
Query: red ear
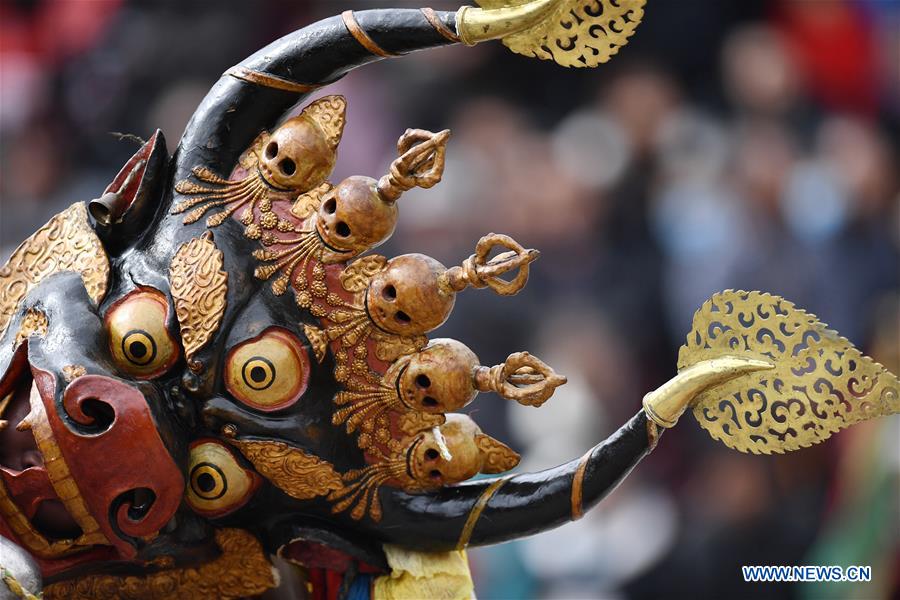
point(497, 457)
point(128, 204)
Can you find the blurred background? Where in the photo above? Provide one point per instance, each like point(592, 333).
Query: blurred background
point(731, 144)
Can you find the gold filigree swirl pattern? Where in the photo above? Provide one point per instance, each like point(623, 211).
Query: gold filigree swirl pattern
point(65, 243)
point(242, 570)
point(297, 473)
point(820, 384)
point(199, 287)
point(576, 33)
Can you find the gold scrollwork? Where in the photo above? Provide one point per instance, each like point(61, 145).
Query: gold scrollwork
point(65, 243)
point(573, 33)
point(295, 472)
point(242, 570)
point(819, 385)
point(199, 287)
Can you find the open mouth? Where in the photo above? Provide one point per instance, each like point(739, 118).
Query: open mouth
point(29, 498)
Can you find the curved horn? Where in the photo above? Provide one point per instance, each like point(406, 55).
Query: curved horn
point(254, 94)
point(491, 511)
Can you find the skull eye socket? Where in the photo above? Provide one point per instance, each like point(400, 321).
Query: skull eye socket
point(423, 381)
point(272, 150)
point(269, 372)
point(139, 341)
point(429, 402)
point(435, 475)
point(330, 206)
point(217, 483)
point(431, 454)
point(342, 229)
point(402, 318)
point(389, 293)
point(287, 166)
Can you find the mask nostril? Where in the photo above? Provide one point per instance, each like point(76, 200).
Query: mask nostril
point(272, 150)
point(287, 166)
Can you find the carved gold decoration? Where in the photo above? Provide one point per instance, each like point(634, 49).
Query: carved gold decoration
point(34, 322)
point(318, 340)
point(249, 192)
point(820, 383)
point(478, 271)
point(421, 161)
point(199, 287)
point(65, 243)
point(241, 571)
point(665, 405)
point(573, 33)
point(294, 471)
point(522, 377)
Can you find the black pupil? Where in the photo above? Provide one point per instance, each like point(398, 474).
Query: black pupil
point(258, 374)
point(138, 349)
point(205, 482)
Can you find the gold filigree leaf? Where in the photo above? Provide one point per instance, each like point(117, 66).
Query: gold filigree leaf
point(295, 472)
point(308, 203)
point(242, 570)
point(820, 384)
point(318, 339)
point(199, 286)
point(391, 347)
point(329, 113)
point(66, 243)
point(576, 33)
point(356, 276)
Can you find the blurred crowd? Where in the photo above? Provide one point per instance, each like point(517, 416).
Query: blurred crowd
point(729, 145)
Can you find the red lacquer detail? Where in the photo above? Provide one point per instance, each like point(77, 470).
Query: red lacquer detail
point(127, 456)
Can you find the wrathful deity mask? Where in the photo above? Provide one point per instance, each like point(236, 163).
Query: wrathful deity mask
point(206, 365)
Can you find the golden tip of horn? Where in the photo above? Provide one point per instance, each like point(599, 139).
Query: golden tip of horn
point(665, 405)
point(479, 25)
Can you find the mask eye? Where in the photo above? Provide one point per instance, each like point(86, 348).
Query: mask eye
point(217, 484)
point(139, 341)
point(269, 372)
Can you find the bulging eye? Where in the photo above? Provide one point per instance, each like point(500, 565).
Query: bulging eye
point(269, 372)
point(217, 484)
point(139, 341)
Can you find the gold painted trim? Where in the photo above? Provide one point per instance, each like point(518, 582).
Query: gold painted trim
point(439, 26)
point(578, 486)
point(270, 81)
point(475, 514)
point(362, 37)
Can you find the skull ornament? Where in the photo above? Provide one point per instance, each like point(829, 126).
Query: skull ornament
point(353, 217)
point(440, 378)
point(409, 297)
point(461, 452)
point(301, 153)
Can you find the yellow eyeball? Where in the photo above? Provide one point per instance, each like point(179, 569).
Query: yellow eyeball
point(269, 372)
point(217, 483)
point(139, 341)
